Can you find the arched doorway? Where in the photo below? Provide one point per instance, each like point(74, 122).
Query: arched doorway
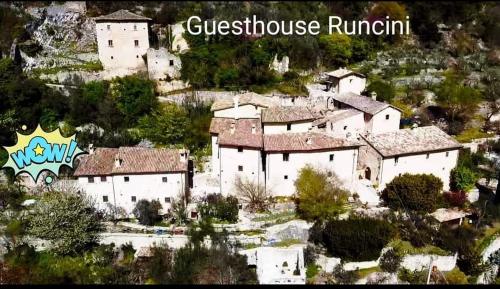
point(368, 173)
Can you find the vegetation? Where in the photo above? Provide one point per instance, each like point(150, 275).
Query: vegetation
point(254, 196)
point(462, 179)
point(413, 192)
point(456, 276)
point(319, 196)
point(390, 261)
point(343, 276)
point(219, 208)
point(147, 212)
point(366, 238)
point(413, 277)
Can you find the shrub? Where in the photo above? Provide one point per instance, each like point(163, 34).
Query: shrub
point(319, 198)
point(344, 277)
point(462, 179)
point(413, 192)
point(413, 277)
point(354, 239)
point(221, 208)
point(455, 199)
point(254, 195)
point(147, 212)
point(456, 276)
point(390, 261)
point(385, 90)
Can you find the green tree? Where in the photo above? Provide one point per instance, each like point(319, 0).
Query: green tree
point(167, 125)
point(385, 90)
point(390, 261)
point(417, 193)
point(134, 96)
point(337, 49)
point(147, 212)
point(220, 208)
point(462, 179)
point(68, 220)
point(319, 197)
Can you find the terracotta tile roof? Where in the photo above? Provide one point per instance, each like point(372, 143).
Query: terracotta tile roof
point(134, 160)
point(121, 15)
point(342, 72)
point(336, 115)
point(362, 103)
point(280, 114)
point(243, 99)
point(411, 141)
point(241, 135)
point(299, 142)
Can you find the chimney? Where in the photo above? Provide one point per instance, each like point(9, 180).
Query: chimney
point(233, 126)
point(308, 140)
point(373, 94)
point(253, 129)
point(236, 105)
point(118, 162)
point(183, 155)
point(91, 149)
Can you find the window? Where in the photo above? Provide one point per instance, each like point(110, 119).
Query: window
point(427, 156)
point(110, 43)
point(136, 43)
point(396, 159)
point(137, 56)
point(126, 179)
point(105, 199)
point(167, 200)
point(111, 57)
point(240, 168)
point(386, 116)
point(194, 215)
point(285, 177)
point(345, 127)
point(135, 27)
point(91, 179)
point(240, 149)
point(171, 62)
point(447, 154)
point(289, 126)
point(164, 179)
point(108, 27)
point(103, 178)
point(134, 199)
point(331, 157)
point(286, 156)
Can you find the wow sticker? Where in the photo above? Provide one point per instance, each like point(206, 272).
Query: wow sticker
point(42, 151)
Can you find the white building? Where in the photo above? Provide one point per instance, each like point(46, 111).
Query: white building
point(236, 152)
point(164, 68)
point(120, 177)
point(379, 117)
point(246, 105)
point(277, 265)
point(343, 80)
point(287, 119)
point(422, 150)
point(287, 153)
point(122, 41)
point(343, 123)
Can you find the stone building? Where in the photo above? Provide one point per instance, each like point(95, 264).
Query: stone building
point(344, 80)
point(122, 42)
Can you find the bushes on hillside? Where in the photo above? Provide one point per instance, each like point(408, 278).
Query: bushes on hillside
point(221, 208)
point(419, 193)
point(147, 212)
point(354, 239)
point(462, 179)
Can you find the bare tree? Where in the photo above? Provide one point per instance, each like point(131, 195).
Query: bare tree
point(254, 195)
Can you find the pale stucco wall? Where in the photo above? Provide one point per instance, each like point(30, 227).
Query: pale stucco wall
point(230, 159)
point(143, 186)
point(343, 165)
point(123, 57)
point(275, 128)
point(162, 63)
point(242, 111)
point(379, 124)
point(351, 83)
point(352, 126)
point(436, 163)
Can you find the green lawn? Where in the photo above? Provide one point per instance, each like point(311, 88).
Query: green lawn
point(406, 248)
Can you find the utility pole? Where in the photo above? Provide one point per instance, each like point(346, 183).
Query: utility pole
point(430, 270)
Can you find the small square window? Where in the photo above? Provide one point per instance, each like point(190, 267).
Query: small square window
point(240, 168)
point(396, 159)
point(134, 199)
point(111, 57)
point(164, 179)
point(285, 177)
point(91, 179)
point(103, 178)
point(240, 149)
point(427, 156)
point(447, 154)
point(289, 126)
point(110, 43)
point(167, 200)
point(137, 56)
point(386, 116)
point(136, 43)
point(108, 27)
point(171, 62)
point(331, 157)
point(135, 27)
point(105, 199)
point(194, 215)
point(126, 179)
point(286, 157)
point(345, 127)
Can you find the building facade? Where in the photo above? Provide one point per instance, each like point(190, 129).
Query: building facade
point(343, 80)
point(117, 178)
